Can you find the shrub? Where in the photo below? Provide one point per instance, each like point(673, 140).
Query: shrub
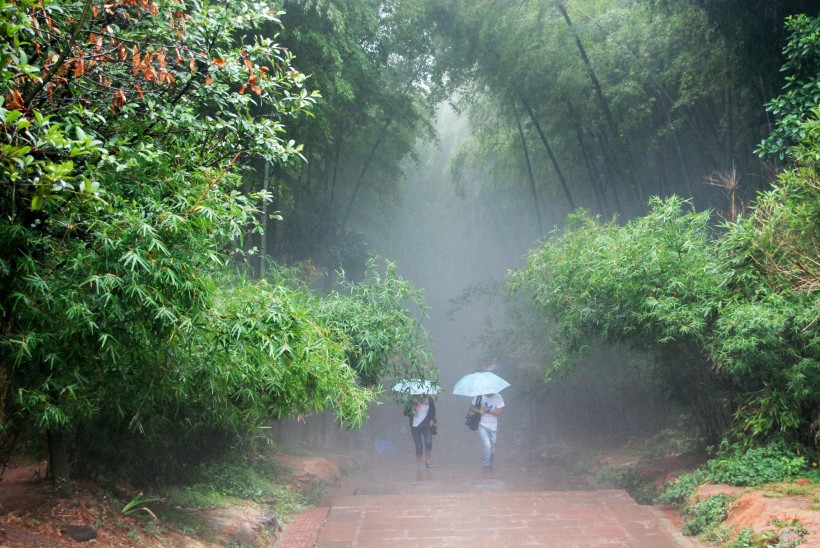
point(767, 464)
point(680, 490)
point(706, 515)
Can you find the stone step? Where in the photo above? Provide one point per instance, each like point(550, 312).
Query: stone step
point(557, 519)
point(391, 504)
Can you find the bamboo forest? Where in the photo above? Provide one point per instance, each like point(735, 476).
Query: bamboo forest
point(231, 230)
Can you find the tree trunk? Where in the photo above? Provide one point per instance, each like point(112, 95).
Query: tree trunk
point(597, 188)
point(8, 435)
point(607, 169)
point(596, 85)
point(365, 167)
point(372, 154)
point(58, 463)
point(529, 170)
point(265, 209)
point(621, 153)
point(547, 146)
point(728, 107)
point(337, 152)
point(681, 158)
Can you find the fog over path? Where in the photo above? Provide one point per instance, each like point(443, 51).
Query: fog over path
point(447, 241)
point(391, 503)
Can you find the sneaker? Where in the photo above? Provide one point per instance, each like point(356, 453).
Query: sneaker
point(428, 465)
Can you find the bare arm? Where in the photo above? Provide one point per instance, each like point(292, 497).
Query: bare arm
point(484, 409)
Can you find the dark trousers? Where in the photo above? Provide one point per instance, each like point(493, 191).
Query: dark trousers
point(422, 434)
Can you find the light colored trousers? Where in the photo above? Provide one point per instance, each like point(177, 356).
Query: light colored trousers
point(488, 444)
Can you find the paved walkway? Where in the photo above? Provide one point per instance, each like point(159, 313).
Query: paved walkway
point(392, 504)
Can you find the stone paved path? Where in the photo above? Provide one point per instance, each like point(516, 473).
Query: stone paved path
point(391, 504)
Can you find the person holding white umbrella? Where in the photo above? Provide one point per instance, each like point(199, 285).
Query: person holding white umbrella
point(422, 426)
point(422, 413)
point(484, 387)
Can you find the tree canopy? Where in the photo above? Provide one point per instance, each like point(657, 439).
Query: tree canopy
point(181, 184)
point(371, 60)
point(736, 307)
point(602, 104)
point(127, 128)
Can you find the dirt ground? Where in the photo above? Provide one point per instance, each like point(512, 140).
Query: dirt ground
point(771, 509)
point(775, 509)
point(30, 516)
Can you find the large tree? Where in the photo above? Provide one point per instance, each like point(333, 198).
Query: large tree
point(370, 59)
point(732, 314)
point(126, 129)
point(618, 101)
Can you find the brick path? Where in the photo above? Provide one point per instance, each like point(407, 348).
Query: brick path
point(561, 518)
point(303, 531)
point(393, 505)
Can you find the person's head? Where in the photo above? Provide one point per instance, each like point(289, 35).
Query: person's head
point(489, 367)
point(488, 395)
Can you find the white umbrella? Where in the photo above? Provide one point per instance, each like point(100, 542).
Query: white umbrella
point(415, 386)
point(476, 384)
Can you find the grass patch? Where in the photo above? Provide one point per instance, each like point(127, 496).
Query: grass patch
point(796, 490)
point(672, 441)
point(758, 466)
point(679, 491)
point(788, 534)
point(223, 484)
point(183, 521)
point(704, 517)
point(641, 488)
point(199, 496)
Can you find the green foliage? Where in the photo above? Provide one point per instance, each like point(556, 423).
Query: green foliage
point(221, 483)
point(734, 465)
point(124, 140)
point(370, 59)
point(735, 312)
point(375, 315)
point(198, 496)
point(116, 214)
point(706, 515)
point(643, 282)
point(767, 337)
point(639, 487)
point(137, 504)
point(801, 92)
point(267, 354)
point(679, 440)
point(652, 283)
point(749, 539)
point(786, 535)
point(262, 352)
point(767, 464)
point(680, 490)
point(236, 480)
point(741, 305)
